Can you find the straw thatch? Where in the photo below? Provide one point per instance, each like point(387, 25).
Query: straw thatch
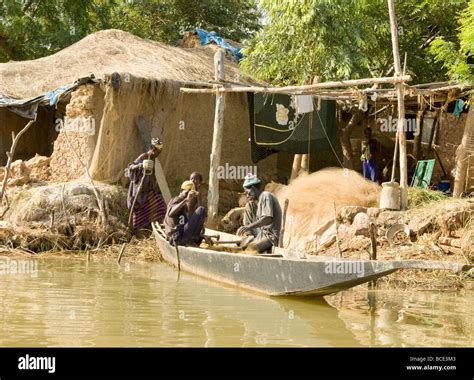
point(151, 76)
point(111, 51)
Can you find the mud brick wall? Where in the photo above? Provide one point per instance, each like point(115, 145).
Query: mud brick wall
point(81, 124)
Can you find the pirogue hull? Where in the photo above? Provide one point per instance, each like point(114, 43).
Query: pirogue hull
point(281, 274)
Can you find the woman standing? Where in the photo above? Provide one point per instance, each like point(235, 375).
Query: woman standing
point(144, 200)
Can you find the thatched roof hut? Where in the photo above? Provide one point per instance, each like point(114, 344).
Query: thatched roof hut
point(106, 52)
point(100, 117)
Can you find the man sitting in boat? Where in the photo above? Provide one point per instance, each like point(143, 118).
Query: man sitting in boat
point(185, 216)
point(196, 179)
point(262, 217)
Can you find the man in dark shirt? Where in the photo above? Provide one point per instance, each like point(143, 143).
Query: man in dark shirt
point(185, 216)
point(262, 217)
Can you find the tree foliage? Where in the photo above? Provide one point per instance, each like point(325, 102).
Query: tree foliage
point(337, 39)
point(457, 56)
point(33, 28)
point(165, 20)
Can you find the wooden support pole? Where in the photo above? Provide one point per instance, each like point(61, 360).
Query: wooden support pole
point(462, 156)
point(401, 108)
point(300, 89)
point(436, 121)
point(305, 163)
point(419, 133)
point(395, 156)
point(213, 193)
point(295, 170)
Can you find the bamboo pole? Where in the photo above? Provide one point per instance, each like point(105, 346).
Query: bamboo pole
point(298, 89)
point(213, 193)
point(401, 108)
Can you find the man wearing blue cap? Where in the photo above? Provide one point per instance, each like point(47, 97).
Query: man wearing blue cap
point(262, 217)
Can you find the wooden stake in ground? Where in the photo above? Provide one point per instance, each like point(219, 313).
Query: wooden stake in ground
point(373, 240)
point(462, 155)
point(283, 222)
point(213, 193)
point(10, 156)
point(122, 250)
point(337, 232)
point(401, 109)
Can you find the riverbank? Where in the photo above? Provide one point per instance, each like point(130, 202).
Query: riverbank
point(136, 250)
point(144, 250)
point(89, 221)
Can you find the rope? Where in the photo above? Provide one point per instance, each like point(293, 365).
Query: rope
point(277, 130)
point(329, 140)
point(293, 131)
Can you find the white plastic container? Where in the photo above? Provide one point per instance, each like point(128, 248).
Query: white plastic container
point(390, 196)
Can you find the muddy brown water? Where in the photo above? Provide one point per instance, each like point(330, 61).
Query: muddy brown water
point(72, 302)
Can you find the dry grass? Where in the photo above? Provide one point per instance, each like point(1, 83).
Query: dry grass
point(422, 197)
point(312, 197)
point(108, 51)
point(136, 250)
point(85, 235)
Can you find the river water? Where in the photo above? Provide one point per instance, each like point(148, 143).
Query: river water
point(72, 302)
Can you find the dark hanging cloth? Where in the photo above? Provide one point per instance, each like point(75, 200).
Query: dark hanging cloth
point(258, 152)
point(275, 126)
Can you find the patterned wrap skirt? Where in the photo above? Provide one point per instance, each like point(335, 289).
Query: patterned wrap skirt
point(152, 210)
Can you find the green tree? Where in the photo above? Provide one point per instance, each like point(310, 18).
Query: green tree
point(165, 20)
point(342, 39)
point(34, 28)
point(456, 55)
point(335, 39)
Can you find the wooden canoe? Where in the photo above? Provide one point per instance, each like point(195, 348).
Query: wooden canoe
point(283, 273)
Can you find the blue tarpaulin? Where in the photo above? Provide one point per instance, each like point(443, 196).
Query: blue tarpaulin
point(54, 95)
point(206, 37)
point(28, 108)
